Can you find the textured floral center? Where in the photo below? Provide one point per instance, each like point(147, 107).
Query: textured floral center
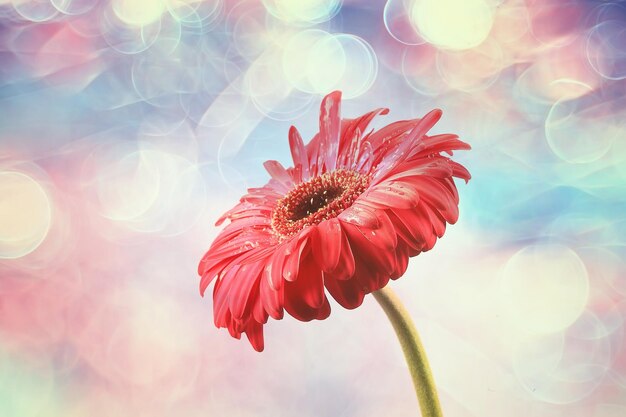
point(316, 200)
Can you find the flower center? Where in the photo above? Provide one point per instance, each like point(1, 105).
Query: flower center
point(321, 198)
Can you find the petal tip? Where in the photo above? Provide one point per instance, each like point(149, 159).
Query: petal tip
point(435, 114)
point(335, 95)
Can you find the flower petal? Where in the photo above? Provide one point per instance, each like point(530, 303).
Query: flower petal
point(404, 147)
point(460, 171)
point(242, 288)
point(279, 173)
point(272, 299)
point(326, 244)
point(254, 332)
point(393, 194)
point(437, 221)
point(368, 247)
point(442, 143)
point(330, 125)
point(298, 152)
point(346, 265)
point(304, 298)
point(259, 314)
point(346, 292)
point(402, 260)
point(274, 269)
point(418, 223)
point(439, 196)
point(389, 132)
point(352, 136)
point(360, 215)
point(292, 258)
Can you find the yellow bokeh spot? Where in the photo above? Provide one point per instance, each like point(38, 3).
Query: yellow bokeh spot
point(25, 214)
point(303, 11)
point(138, 12)
point(453, 24)
point(544, 288)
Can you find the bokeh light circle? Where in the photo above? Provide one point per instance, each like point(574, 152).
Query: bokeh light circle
point(127, 38)
point(313, 61)
point(397, 19)
point(151, 191)
point(606, 49)
point(160, 79)
point(25, 214)
point(195, 13)
point(361, 66)
point(153, 342)
point(453, 24)
point(303, 12)
point(564, 367)
point(73, 7)
point(169, 39)
point(317, 62)
point(481, 67)
point(250, 33)
point(544, 288)
point(35, 10)
point(271, 93)
point(21, 380)
point(419, 68)
point(582, 130)
point(138, 12)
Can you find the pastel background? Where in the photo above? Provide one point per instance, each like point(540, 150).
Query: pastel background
point(128, 126)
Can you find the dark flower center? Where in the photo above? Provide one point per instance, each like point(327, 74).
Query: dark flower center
point(321, 198)
point(313, 202)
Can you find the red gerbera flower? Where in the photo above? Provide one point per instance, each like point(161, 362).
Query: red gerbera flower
point(345, 219)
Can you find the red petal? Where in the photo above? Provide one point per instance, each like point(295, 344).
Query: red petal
point(346, 265)
point(258, 311)
point(279, 173)
point(304, 297)
point(417, 222)
point(310, 284)
point(254, 332)
point(272, 299)
point(430, 167)
point(330, 125)
point(298, 152)
point(443, 143)
point(293, 255)
point(221, 311)
point(362, 247)
point(360, 215)
point(346, 292)
point(393, 130)
point(402, 260)
point(274, 269)
point(209, 274)
point(439, 196)
point(385, 236)
point(404, 147)
point(352, 136)
point(326, 244)
point(239, 296)
point(436, 220)
point(370, 278)
point(460, 171)
point(404, 233)
point(393, 194)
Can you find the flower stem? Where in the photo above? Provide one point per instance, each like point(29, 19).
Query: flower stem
point(413, 351)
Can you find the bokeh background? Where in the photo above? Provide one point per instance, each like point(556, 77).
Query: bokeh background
point(128, 126)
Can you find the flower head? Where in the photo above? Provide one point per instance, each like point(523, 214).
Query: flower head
point(344, 220)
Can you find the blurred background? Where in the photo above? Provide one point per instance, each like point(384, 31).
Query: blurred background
point(128, 126)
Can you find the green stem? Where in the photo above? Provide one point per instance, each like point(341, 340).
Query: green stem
point(413, 351)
